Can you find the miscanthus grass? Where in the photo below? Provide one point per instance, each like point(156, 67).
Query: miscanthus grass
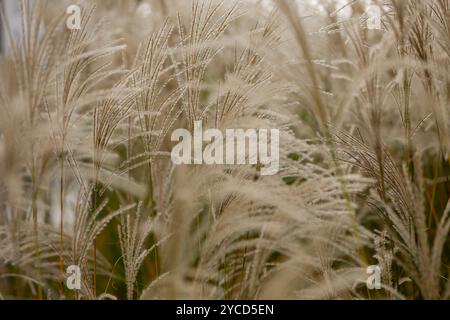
point(86, 177)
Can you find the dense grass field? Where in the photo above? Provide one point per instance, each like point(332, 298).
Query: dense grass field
point(94, 206)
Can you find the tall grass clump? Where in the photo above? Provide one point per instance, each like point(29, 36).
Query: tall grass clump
point(87, 179)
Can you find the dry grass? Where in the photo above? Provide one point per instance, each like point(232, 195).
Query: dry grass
point(86, 176)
